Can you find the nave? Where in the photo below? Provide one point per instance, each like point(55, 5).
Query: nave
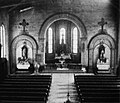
point(52, 50)
point(98, 89)
point(25, 89)
point(54, 88)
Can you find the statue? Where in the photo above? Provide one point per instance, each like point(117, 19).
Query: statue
point(24, 52)
point(101, 53)
point(63, 45)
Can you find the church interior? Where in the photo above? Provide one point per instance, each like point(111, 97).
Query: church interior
point(59, 51)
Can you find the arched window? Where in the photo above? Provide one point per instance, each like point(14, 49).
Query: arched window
point(2, 40)
point(75, 40)
point(50, 40)
point(62, 36)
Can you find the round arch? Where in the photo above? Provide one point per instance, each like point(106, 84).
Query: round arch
point(94, 43)
point(18, 41)
point(62, 16)
point(53, 18)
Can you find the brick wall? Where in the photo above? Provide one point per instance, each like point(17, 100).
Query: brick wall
point(89, 12)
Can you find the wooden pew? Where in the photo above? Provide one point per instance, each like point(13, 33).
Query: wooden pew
point(23, 98)
point(100, 99)
point(98, 89)
point(24, 86)
point(25, 89)
point(22, 101)
point(27, 83)
point(30, 77)
point(98, 83)
point(95, 77)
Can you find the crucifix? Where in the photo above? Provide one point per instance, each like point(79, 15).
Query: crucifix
point(24, 24)
point(102, 23)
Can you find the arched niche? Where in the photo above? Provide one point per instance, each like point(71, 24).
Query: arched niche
point(53, 18)
point(15, 49)
point(94, 58)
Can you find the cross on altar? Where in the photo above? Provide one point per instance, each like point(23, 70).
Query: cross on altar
point(102, 23)
point(24, 24)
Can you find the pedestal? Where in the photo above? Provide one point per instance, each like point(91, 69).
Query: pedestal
point(21, 66)
point(103, 68)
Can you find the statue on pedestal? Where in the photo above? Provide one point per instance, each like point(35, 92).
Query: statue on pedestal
point(101, 53)
point(24, 52)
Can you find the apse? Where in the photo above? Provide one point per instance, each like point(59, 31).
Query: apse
point(63, 37)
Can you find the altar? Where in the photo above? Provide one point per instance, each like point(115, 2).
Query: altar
point(61, 65)
point(24, 65)
point(62, 68)
point(103, 67)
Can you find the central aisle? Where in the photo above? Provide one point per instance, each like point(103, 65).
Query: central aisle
point(59, 88)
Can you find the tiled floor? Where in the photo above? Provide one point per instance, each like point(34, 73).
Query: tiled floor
point(59, 88)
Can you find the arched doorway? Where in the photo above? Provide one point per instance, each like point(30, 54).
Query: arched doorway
point(101, 53)
point(21, 44)
point(54, 19)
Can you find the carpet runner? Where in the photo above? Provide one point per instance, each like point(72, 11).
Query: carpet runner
point(61, 84)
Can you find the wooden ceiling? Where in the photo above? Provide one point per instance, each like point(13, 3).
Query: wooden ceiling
point(26, 3)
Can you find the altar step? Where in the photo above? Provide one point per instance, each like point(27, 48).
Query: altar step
point(62, 70)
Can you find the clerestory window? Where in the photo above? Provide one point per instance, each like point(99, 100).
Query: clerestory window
point(62, 36)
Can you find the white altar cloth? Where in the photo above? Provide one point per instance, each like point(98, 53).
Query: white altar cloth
point(23, 65)
point(103, 66)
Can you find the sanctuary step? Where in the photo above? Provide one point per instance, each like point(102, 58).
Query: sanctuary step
point(98, 89)
point(25, 89)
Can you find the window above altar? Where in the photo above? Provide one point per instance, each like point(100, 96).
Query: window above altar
point(62, 36)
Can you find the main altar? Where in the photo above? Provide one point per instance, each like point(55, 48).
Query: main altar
point(61, 61)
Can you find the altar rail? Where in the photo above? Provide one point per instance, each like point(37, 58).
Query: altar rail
point(74, 66)
point(65, 65)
